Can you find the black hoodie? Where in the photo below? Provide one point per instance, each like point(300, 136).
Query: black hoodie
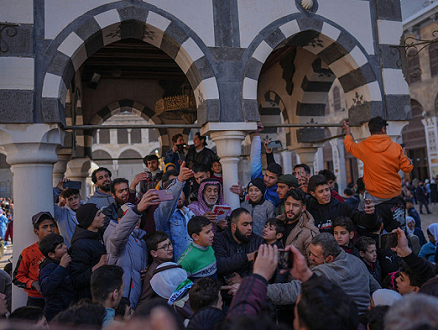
point(324, 215)
point(85, 251)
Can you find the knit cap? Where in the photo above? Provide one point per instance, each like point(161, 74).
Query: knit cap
point(289, 179)
point(166, 279)
point(85, 214)
point(258, 182)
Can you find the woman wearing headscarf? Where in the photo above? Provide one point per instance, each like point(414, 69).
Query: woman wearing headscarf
point(428, 250)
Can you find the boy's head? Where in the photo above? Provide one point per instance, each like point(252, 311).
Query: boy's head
point(216, 167)
point(320, 189)
point(348, 192)
point(43, 224)
point(343, 230)
point(256, 190)
point(409, 203)
point(367, 249)
point(330, 177)
point(151, 162)
point(274, 230)
point(408, 281)
point(107, 285)
point(72, 198)
point(159, 246)
point(52, 246)
point(201, 231)
point(205, 293)
point(29, 314)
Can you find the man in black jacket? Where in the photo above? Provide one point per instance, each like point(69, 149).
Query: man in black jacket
point(199, 154)
point(325, 209)
point(235, 247)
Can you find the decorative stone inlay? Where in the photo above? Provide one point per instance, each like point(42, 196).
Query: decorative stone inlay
point(10, 30)
point(307, 4)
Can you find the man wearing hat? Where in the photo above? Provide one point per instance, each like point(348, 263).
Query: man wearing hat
point(382, 159)
point(285, 183)
point(273, 171)
point(27, 270)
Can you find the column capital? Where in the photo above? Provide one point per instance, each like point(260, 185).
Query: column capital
point(31, 143)
point(208, 128)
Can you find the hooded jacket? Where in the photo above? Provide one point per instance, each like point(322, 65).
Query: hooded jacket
point(302, 234)
point(56, 287)
point(324, 215)
point(86, 250)
point(260, 213)
point(200, 207)
point(127, 249)
point(101, 199)
point(382, 159)
point(231, 256)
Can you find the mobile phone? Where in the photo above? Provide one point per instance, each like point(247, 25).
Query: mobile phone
point(388, 241)
point(72, 185)
point(274, 144)
point(165, 195)
point(285, 259)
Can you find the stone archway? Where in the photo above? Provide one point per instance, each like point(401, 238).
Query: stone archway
point(107, 24)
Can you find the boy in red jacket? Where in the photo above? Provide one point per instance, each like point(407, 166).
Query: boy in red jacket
point(27, 269)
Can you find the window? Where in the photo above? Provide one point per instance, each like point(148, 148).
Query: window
point(433, 58)
point(414, 72)
point(136, 135)
point(122, 136)
point(336, 98)
point(104, 136)
point(153, 136)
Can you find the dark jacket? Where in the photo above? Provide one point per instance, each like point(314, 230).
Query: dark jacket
point(420, 266)
point(232, 257)
point(249, 299)
point(420, 192)
point(206, 319)
point(375, 271)
point(205, 157)
point(56, 287)
point(324, 215)
point(85, 251)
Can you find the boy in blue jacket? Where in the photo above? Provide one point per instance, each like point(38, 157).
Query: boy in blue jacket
point(54, 277)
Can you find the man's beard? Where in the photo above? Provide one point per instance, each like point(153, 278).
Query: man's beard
point(106, 188)
point(241, 237)
point(295, 218)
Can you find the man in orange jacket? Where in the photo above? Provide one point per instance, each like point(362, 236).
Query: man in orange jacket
point(382, 159)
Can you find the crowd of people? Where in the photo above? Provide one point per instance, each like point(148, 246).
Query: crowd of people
point(166, 252)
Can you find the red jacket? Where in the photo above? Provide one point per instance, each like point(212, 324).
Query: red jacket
point(28, 269)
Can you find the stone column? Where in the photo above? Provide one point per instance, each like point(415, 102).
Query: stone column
point(339, 163)
point(77, 170)
point(287, 161)
point(319, 160)
point(59, 168)
point(430, 128)
point(32, 151)
point(307, 156)
point(228, 138)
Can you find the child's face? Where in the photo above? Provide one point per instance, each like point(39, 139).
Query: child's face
point(164, 251)
point(216, 168)
point(60, 250)
point(254, 194)
point(404, 284)
point(370, 255)
point(73, 202)
point(205, 237)
point(269, 232)
point(342, 235)
point(45, 228)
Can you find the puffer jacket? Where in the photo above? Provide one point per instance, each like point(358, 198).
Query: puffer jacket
point(347, 271)
point(302, 234)
point(127, 249)
point(86, 250)
point(260, 213)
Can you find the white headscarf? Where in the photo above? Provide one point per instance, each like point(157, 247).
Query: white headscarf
point(408, 221)
point(433, 230)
